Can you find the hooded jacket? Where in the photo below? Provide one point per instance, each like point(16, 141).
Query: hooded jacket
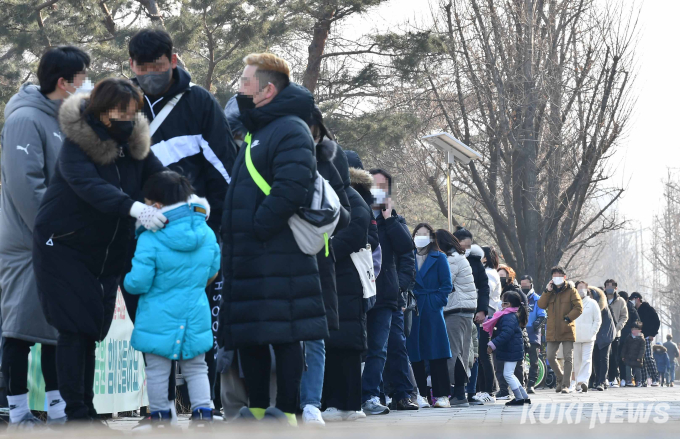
point(362, 181)
point(560, 304)
point(633, 352)
point(481, 279)
point(588, 323)
point(537, 317)
point(463, 298)
point(83, 228)
point(661, 358)
point(619, 312)
point(272, 291)
point(31, 140)
point(170, 271)
point(607, 332)
point(650, 319)
point(508, 341)
point(194, 140)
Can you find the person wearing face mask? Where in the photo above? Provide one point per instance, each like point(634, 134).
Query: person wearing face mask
point(563, 305)
point(31, 140)
point(84, 225)
point(537, 318)
point(428, 339)
point(193, 139)
point(619, 311)
point(587, 327)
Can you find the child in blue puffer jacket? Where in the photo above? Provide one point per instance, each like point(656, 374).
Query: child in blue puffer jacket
point(508, 343)
point(170, 271)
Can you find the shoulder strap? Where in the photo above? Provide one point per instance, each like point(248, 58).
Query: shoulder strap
point(160, 117)
point(257, 178)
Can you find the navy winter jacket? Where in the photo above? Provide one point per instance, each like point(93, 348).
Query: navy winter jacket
point(508, 339)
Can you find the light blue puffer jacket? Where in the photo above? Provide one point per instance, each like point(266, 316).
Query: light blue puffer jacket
point(170, 271)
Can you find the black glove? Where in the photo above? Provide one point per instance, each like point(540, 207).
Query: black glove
point(567, 319)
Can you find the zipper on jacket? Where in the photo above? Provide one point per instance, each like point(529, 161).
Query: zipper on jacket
point(62, 236)
point(101, 327)
point(115, 233)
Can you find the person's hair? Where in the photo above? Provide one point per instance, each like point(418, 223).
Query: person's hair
point(636, 295)
point(669, 337)
point(623, 295)
point(515, 301)
point(611, 282)
point(148, 45)
point(433, 236)
point(511, 273)
point(527, 277)
point(167, 188)
point(558, 270)
point(270, 69)
point(491, 258)
point(110, 94)
point(637, 325)
point(385, 174)
point(582, 282)
point(462, 233)
point(448, 243)
point(60, 62)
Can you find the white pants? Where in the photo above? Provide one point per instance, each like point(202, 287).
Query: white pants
point(583, 361)
point(509, 375)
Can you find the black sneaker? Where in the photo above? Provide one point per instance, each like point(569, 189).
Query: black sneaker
point(531, 390)
point(406, 404)
point(527, 401)
point(600, 388)
point(473, 401)
point(161, 421)
point(502, 395)
point(515, 402)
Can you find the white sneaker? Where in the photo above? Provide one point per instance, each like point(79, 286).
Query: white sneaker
point(613, 385)
point(486, 398)
point(573, 385)
point(655, 384)
point(623, 383)
point(388, 400)
point(312, 416)
point(331, 414)
point(442, 402)
point(422, 402)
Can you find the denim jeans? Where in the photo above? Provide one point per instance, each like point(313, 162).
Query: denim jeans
point(472, 381)
point(378, 322)
point(311, 385)
point(672, 368)
point(397, 365)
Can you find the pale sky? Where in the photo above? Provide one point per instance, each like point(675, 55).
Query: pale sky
point(651, 143)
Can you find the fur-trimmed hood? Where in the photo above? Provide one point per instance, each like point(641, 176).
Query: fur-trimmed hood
point(659, 348)
point(326, 150)
point(101, 152)
point(360, 179)
point(601, 298)
point(476, 251)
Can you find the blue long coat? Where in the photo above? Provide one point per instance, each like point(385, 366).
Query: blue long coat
point(170, 271)
point(428, 339)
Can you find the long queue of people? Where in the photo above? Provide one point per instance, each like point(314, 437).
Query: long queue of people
point(149, 186)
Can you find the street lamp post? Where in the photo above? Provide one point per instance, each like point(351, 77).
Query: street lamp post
point(456, 151)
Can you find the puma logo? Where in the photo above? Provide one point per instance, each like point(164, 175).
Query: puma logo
point(23, 148)
point(58, 136)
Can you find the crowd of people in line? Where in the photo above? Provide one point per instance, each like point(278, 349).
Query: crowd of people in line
point(191, 210)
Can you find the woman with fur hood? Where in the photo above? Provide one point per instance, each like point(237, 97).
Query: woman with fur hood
point(85, 224)
point(603, 341)
point(587, 327)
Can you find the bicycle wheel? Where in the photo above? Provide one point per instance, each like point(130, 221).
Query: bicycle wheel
point(540, 376)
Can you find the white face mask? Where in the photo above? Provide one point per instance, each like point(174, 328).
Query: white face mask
point(422, 241)
point(558, 281)
point(582, 293)
point(85, 88)
point(379, 195)
point(467, 253)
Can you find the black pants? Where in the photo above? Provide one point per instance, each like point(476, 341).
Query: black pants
point(441, 385)
point(486, 375)
point(460, 377)
point(533, 363)
point(75, 369)
point(15, 365)
point(600, 365)
point(256, 364)
point(342, 379)
point(614, 361)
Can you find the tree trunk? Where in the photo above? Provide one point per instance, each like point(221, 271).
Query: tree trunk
point(322, 28)
point(153, 12)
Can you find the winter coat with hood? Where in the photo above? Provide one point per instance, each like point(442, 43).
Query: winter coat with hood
point(170, 271)
point(481, 279)
point(661, 358)
point(607, 332)
point(633, 352)
point(194, 140)
point(494, 290)
point(351, 239)
point(83, 229)
point(650, 319)
point(463, 298)
point(325, 153)
point(588, 323)
point(619, 312)
point(31, 140)
point(537, 317)
point(559, 304)
point(508, 341)
point(272, 291)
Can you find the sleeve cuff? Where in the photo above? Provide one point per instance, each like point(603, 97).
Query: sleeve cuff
point(493, 346)
point(126, 206)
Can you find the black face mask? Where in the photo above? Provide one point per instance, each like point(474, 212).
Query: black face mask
point(504, 282)
point(121, 130)
point(526, 290)
point(244, 102)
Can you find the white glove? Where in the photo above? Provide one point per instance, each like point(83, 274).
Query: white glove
point(150, 217)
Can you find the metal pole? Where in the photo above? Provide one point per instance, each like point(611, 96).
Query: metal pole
point(448, 195)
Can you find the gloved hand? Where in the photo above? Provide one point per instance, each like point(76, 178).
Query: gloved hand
point(150, 217)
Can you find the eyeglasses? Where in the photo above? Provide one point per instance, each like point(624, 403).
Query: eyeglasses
point(507, 303)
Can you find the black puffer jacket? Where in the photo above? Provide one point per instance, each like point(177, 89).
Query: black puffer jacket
point(394, 241)
point(272, 292)
point(481, 279)
point(325, 152)
point(352, 333)
point(83, 228)
point(632, 318)
point(406, 268)
point(650, 320)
